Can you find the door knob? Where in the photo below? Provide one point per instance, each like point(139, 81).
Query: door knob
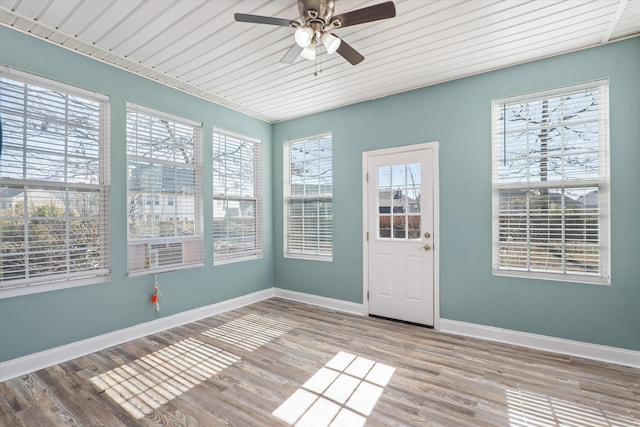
point(427, 247)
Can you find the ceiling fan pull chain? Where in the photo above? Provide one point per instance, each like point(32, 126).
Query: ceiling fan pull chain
point(315, 66)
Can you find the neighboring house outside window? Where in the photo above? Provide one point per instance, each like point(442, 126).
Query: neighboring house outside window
point(54, 184)
point(237, 197)
point(551, 184)
point(308, 198)
point(164, 192)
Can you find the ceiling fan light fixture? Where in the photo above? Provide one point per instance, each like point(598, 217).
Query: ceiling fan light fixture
point(309, 52)
point(304, 36)
point(331, 43)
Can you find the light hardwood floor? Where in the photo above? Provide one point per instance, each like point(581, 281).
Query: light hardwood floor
point(279, 363)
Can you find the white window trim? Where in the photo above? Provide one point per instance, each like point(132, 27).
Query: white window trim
point(198, 237)
point(603, 183)
point(46, 83)
point(81, 278)
point(287, 199)
point(221, 259)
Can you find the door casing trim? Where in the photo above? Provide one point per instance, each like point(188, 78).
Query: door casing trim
point(366, 155)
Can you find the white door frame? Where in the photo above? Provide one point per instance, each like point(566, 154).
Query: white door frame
point(436, 222)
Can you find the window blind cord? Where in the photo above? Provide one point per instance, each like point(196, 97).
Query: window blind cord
point(504, 133)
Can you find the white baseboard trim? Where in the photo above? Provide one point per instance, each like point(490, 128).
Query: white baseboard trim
point(331, 303)
point(602, 353)
point(36, 361)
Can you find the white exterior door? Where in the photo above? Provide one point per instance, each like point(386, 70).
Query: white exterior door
point(400, 233)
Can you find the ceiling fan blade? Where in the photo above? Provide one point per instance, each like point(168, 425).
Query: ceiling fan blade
point(257, 19)
point(366, 14)
point(291, 54)
point(350, 54)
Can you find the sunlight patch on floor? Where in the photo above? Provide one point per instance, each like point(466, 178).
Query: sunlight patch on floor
point(249, 332)
point(527, 409)
point(151, 381)
point(342, 393)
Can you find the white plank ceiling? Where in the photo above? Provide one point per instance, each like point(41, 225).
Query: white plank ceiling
point(196, 46)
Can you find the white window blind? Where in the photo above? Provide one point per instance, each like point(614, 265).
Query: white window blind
point(551, 184)
point(54, 183)
point(237, 197)
point(164, 191)
point(308, 198)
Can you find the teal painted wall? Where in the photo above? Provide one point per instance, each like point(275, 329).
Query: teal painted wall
point(457, 114)
point(37, 322)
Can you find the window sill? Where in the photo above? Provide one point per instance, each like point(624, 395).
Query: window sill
point(48, 287)
point(557, 277)
point(166, 269)
point(308, 257)
point(236, 259)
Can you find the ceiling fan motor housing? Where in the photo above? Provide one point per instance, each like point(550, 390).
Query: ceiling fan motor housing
point(316, 13)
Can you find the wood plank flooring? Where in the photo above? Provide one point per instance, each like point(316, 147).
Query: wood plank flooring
point(282, 357)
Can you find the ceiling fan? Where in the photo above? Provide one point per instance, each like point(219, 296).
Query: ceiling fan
point(317, 22)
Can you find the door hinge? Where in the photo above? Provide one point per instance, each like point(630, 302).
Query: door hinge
point(367, 177)
point(367, 236)
point(367, 295)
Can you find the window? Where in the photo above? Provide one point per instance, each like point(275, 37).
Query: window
point(399, 192)
point(237, 204)
point(308, 198)
point(551, 184)
point(164, 192)
point(54, 184)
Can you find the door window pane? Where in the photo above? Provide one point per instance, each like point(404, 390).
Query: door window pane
point(399, 227)
point(399, 201)
point(413, 229)
point(384, 226)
